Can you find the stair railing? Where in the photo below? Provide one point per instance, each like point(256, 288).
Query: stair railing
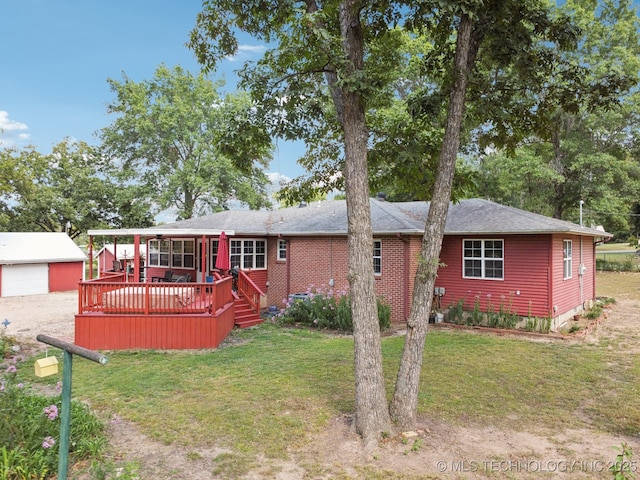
point(249, 291)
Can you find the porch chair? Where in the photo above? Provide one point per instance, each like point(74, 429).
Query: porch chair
point(168, 277)
point(186, 278)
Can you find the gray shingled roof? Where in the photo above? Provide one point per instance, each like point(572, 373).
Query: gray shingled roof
point(474, 216)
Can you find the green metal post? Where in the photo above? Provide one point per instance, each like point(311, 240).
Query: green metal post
point(65, 416)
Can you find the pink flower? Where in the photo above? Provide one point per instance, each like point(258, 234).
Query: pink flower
point(51, 412)
point(48, 442)
point(11, 369)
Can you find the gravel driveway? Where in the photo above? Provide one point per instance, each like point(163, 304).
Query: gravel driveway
point(52, 314)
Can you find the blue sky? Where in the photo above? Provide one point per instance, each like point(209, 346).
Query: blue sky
point(58, 55)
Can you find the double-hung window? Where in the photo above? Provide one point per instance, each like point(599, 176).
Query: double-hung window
point(483, 259)
point(377, 257)
point(158, 253)
point(248, 253)
point(282, 250)
point(567, 258)
point(182, 253)
point(214, 253)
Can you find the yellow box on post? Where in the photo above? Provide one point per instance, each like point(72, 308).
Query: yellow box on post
point(46, 366)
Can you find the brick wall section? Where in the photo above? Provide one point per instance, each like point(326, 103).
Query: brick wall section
point(314, 261)
point(277, 289)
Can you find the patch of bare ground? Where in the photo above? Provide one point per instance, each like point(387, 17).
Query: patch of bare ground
point(438, 449)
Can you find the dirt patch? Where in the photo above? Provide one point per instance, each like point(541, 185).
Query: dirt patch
point(438, 449)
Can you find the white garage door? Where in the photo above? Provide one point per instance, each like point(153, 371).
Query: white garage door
point(28, 279)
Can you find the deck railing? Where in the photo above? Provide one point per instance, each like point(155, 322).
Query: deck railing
point(113, 296)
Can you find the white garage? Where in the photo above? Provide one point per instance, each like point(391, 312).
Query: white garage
point(34, 263)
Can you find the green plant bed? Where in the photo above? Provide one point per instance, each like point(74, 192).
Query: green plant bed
point(30, 428)
point(326, 309)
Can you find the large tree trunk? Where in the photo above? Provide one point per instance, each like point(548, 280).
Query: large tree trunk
point(371, 413)
point(405, 400)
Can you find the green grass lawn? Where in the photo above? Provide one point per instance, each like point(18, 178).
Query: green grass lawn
point(270, 389)
point(608, 247)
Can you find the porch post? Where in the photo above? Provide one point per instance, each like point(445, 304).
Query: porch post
point(91, 257)
point(204, 259)
point(136, 258)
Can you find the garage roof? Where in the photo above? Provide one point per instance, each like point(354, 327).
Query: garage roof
point(38, 247)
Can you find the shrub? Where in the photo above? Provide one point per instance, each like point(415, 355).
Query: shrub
point(30, 429)
point(326, 308)
point(595, 312)
point(6, 344)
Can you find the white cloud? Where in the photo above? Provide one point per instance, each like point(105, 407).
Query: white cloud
point(247, 51)
point(10, 130)
point(277, 178)
point(9, 125)
point(252, 48)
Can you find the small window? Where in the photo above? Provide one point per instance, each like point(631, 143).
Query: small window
point(567, 258)
point(158, 253)
point(282, 250)
point(377, 257)
point(483, 259)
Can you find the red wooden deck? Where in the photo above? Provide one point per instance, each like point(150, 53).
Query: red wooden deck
point(118, 315)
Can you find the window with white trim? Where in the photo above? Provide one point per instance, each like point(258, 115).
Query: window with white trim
point(567, 258)
point(377, 257)
point(483, 259)
point(182, 253)
point(158, 255)
point(248, 253)
point(282, 250)
point(213, 258)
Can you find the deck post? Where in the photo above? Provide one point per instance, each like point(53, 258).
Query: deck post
point(65, 412)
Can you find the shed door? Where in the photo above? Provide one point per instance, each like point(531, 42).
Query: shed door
point(29, 279)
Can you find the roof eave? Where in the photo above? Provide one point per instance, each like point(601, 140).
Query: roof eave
point(154, 232)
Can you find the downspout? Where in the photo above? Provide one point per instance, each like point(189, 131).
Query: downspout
point(288, 266)
point(405, 274)
point(581, 276)
point(550, 279)
point(331, 280)
point(581, 268)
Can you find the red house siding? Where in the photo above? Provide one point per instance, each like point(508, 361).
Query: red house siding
point(65, 276)
point(570, 294)
point(525, 283)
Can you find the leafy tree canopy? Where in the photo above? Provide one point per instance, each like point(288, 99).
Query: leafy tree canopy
point(587, 151)
point(189, 147)
point(64, 191)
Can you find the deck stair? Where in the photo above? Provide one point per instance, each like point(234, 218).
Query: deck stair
point(245, 315)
